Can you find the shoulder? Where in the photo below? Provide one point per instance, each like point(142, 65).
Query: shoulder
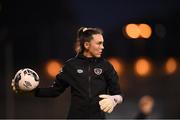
point(106, 62)
point(67, 66)
point(71, 61)
point(108, 66)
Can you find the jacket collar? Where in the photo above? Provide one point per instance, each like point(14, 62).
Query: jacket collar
point(92, 59)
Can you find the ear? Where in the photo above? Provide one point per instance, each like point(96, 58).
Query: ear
point(86, 45)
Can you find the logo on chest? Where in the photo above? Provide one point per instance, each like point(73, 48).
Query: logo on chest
point(97, 71)
point(80, 71)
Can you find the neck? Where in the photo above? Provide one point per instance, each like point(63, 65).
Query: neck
point(87, 54)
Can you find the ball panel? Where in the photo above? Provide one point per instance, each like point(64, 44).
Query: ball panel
point(26, 79)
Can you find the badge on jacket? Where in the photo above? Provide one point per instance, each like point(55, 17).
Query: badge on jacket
point(97, 71)
point(79, 71)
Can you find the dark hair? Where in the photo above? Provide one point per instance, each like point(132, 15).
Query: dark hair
point(85, 34)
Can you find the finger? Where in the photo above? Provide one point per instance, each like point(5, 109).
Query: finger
point(12, 83)
point(107, 109)
point(101, 102)
point(14, 88)
point(108, 105)
point(104, 102)
point(110, 110)
point(103, 96)
point(104, 106)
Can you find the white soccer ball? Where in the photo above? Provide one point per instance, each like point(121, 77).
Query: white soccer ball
point(26, 80)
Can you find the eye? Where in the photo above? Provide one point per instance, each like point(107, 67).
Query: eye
point(99, 43)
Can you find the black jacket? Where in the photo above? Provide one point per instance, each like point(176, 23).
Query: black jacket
point(88, 78)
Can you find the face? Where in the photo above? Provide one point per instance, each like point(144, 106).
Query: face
point(95, 47)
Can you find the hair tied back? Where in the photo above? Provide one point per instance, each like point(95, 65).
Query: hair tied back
point(84, 29)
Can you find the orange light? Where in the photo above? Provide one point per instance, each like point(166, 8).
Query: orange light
point(145, 30)
point(117, 64)
point(53, 67)
point(132, 30)
point(136, 31)
point(146, 104)
point(170, 66)
point(142, 67)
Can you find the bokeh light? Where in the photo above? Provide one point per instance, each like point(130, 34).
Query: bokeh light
point(135, 31)
point(132, 31)
point(53, 67)
point(145, 30)
point(117, 64)
point(170, 66)
point(146, 104)
point(142, 67)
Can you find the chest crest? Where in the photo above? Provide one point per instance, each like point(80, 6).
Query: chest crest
point(97, 71)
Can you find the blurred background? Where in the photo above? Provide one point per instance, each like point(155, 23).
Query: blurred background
point(141, 41)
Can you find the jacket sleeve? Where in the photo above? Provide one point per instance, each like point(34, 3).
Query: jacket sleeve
point(58, 87)
point(112, 80)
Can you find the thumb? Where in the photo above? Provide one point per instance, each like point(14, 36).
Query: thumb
point(104, 96)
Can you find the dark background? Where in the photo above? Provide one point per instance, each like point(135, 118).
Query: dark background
point(35, 31)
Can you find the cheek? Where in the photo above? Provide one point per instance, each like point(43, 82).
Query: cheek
point(92, 48)
point(95, 48)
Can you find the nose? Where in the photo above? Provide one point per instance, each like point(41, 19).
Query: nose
point(102, 46)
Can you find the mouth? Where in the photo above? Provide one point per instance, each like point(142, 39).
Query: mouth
point(100, 53)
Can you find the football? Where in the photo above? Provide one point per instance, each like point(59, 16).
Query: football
point(26, 80)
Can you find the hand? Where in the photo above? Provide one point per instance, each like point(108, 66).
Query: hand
point(13, 86)
point(15, 89)
point(21, 92)
point(108, 102)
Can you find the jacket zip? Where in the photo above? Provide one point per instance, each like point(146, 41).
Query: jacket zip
point(89, 81)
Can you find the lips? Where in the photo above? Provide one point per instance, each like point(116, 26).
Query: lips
point(100, 52)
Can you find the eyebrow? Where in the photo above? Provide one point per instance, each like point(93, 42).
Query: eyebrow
point(100, 42)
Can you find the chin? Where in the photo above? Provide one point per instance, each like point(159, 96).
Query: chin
point(98, 56)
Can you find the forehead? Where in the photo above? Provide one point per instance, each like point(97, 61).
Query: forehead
point(98, 37)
